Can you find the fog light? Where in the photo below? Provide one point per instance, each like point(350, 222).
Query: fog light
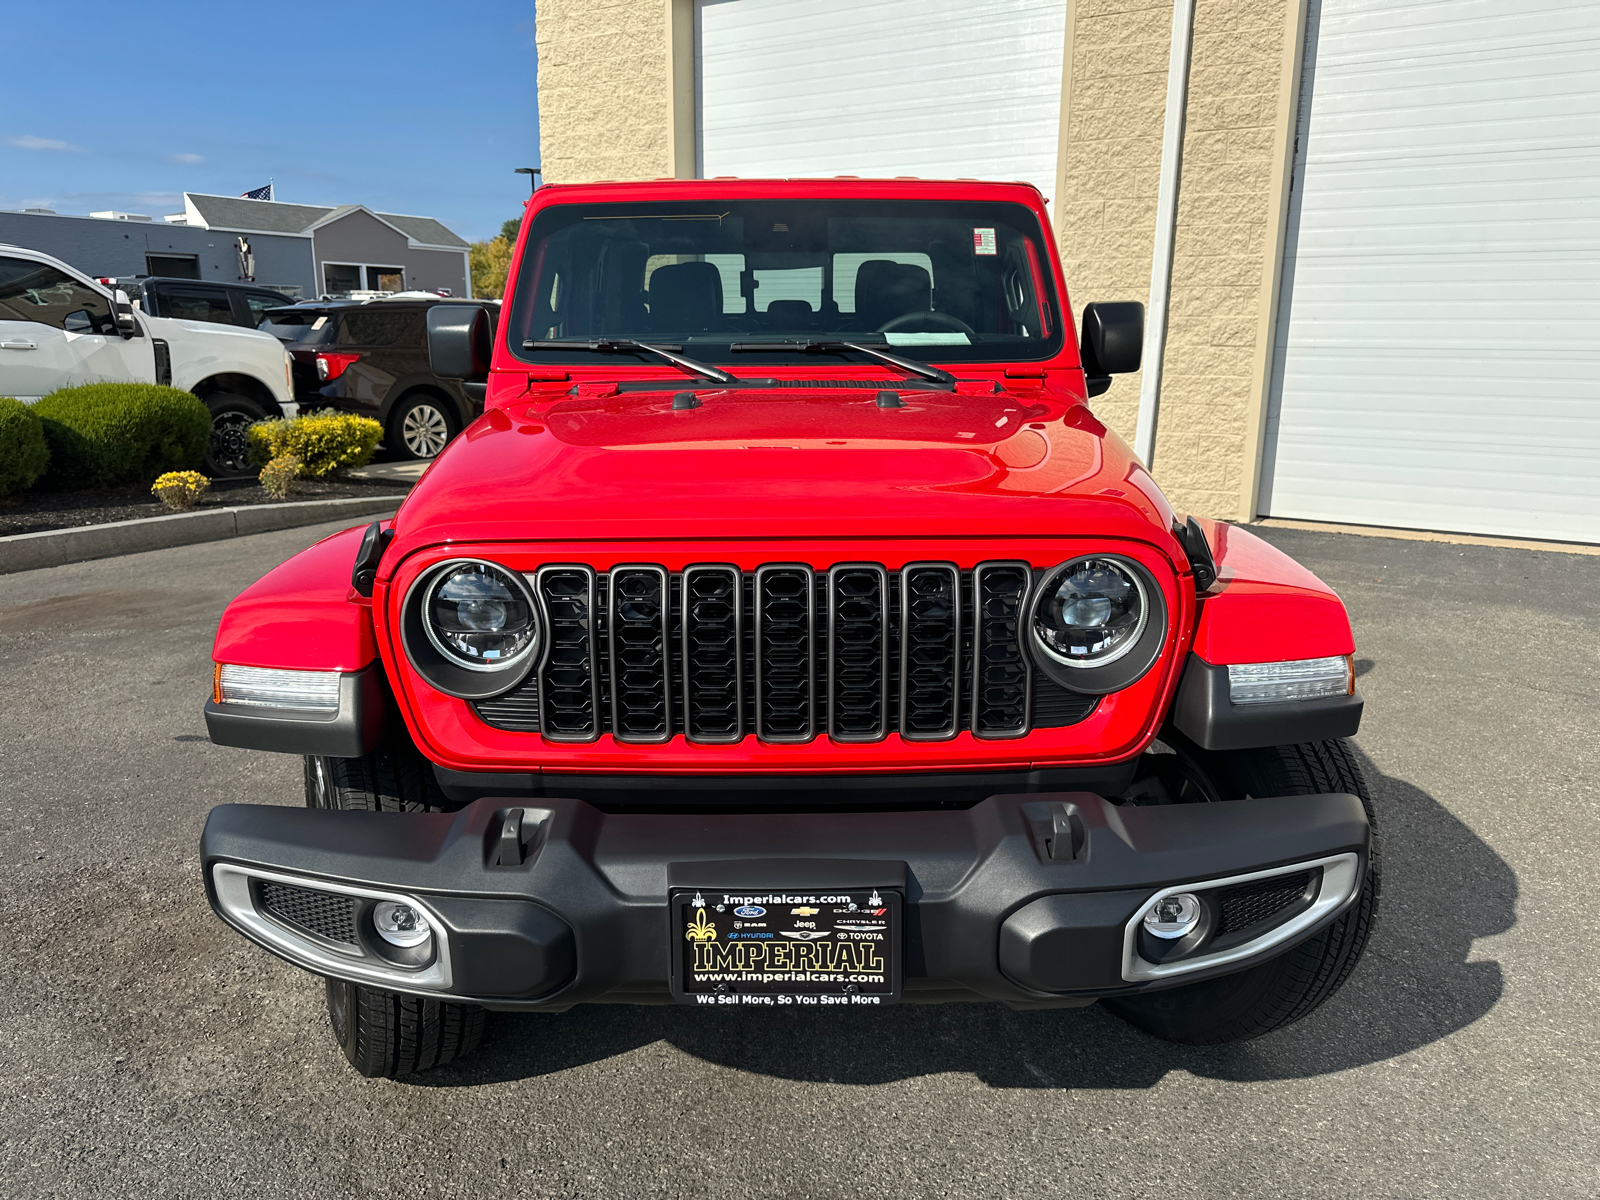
point(1173, 917)
point(400, 924)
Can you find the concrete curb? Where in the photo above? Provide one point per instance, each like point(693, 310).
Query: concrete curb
point(55, 547)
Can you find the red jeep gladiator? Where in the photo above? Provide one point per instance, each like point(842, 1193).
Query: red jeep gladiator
point(789, 633)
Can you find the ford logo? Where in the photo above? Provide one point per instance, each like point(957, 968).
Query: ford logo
point(750, 910)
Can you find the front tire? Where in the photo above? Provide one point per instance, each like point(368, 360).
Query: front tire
point(228, 446)
point(385, 1035)
point(1278, 992)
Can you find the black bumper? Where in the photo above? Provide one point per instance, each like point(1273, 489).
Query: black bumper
point(1026, 899)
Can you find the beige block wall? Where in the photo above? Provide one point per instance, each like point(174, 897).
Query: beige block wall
point(606, 89)
point(1110, 164)
point(1226, 254)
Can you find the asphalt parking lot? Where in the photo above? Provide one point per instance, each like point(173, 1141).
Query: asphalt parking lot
point(149, 1052)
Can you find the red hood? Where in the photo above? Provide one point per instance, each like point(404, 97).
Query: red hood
point(784, 463)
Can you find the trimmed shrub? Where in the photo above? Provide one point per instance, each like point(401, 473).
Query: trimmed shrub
point(278, 476)
point(24, 453)
point(106, 434)
point(324, 442)
point(181, 490)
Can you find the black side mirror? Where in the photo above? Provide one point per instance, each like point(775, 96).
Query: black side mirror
point(1113, 341)
point(458, 342)
point(122, 314)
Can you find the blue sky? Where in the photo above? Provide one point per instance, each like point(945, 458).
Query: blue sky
point(404, 106)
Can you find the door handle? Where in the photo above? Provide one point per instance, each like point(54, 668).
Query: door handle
point(19, 345)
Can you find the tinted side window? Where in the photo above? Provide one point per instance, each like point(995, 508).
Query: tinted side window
point(31, 291)
point(259, 302)
point(197, 305)
point(374, 326)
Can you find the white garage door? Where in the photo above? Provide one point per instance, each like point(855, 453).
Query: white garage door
point(935, 88)
point(1438, 356)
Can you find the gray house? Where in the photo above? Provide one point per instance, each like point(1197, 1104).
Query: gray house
point(305, 250)
point(350, 247)
point(127, 244)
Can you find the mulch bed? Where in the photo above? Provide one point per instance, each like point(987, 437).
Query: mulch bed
point(38, 511)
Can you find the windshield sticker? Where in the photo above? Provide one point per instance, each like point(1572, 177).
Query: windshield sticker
point(319, 322)
point(946, 337)
point(983, 242)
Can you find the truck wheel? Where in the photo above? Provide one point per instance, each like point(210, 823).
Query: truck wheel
point(386, 1034)
point(228, 448)
point(420, 426)
point(393, 778)
point(1276, 993)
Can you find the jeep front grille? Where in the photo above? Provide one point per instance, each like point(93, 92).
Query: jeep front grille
point(784, 653)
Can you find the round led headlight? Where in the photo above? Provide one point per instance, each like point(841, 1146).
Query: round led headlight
point(1090, 613)
point(479, 616)
point(1096, 624)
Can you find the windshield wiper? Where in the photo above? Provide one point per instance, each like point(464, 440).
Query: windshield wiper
point(820, 346)
point(628, 346)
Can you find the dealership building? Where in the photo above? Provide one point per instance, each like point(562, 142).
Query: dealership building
point(1368, 234)
point(304, 249)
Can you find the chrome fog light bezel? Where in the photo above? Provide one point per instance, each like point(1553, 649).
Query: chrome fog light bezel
point(1338, 886)
point(364, 962)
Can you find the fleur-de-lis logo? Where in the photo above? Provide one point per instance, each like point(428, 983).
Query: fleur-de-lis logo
point(701, 931)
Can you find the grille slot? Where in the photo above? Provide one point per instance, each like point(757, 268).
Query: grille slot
point(1246, 904)
point(717, 653)
point(636, 628)
point(785, 628)
point(325, 914)
point(713, 657)
point(1002, 674)
point(569, 703)
point(858, 653)
point(930, 653)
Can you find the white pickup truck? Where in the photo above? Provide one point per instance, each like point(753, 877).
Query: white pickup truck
point(58, 328)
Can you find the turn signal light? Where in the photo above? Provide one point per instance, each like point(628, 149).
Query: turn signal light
point(267, 687)
point(332, 363)
point(1300, 679)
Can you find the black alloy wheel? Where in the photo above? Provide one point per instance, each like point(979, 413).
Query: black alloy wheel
point(228, 447)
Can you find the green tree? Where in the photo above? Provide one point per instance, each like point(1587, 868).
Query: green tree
point(490, 261)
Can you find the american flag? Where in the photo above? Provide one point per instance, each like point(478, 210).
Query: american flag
point(260, 193)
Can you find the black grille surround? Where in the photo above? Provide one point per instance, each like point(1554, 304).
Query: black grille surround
point(784, 653)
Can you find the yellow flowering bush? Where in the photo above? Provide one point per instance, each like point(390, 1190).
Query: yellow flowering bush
point(324, 442)
point(278, 476)
point(181, 490)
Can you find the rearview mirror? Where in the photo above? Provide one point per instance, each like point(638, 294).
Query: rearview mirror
point(122, 314)
point(458, 342)
point(1113, 341)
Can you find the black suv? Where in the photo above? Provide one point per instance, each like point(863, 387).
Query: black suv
point(240, 304)
point(370, 357)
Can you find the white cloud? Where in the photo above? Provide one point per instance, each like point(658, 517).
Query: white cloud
point(26, 141)
point(185, 160)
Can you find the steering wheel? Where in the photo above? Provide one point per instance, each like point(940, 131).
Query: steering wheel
point(939, 319)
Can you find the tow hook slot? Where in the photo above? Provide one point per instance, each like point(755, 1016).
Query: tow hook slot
point(514, 835)
point(1059, 831)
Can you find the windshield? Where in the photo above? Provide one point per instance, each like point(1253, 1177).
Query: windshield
point(303, 328)
point(950, 281)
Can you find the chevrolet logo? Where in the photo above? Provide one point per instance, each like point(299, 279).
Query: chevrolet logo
point(804, 911)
